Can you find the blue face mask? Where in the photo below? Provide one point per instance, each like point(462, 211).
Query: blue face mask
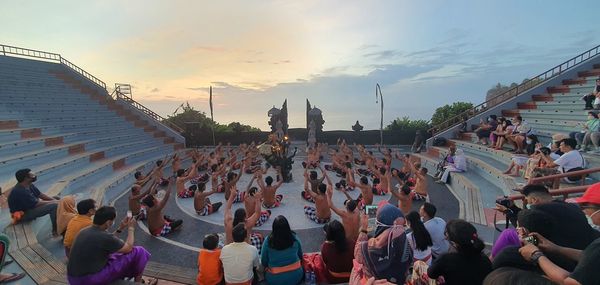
point(528, 206)
point(591, 222)
point(528, 141)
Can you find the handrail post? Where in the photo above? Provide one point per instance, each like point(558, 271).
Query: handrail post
point(3, 52)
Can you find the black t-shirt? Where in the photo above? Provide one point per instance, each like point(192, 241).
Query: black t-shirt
point(90, 251)
point(460, 269)
point(587, 272)
point(23, 199)
point(571, 228)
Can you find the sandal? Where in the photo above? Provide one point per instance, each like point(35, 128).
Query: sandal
point(12, 277)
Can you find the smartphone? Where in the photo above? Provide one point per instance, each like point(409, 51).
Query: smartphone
point(371, 212)
point(129, 214)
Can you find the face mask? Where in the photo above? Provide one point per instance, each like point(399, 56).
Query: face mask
point(528, 141)
point(528, 206)
point(591, 222)
point(34, 179)
point(489, 119)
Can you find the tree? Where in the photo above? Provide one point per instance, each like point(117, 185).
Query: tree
point(406, 124)
point(446, 112)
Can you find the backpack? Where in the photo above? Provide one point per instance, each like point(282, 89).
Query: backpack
point(439, 141)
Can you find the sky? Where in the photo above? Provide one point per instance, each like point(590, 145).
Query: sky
point(256, 54)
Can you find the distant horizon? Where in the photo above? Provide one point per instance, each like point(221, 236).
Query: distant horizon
point(256, 54)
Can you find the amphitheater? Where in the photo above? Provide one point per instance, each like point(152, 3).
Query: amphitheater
point(83, 140)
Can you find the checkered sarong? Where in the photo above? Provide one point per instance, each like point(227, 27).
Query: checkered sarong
point(185, 194)
point(207, 210)
point(143, 214)
point(256, 240)
point(278, 199)
point(311, 213)
point(419, 197)
point(239, 197)
point(166, 229)
point(264, 216)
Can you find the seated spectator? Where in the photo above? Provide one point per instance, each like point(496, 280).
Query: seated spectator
point(373, 257)
point(484, 129)
point(459, 165)
point(4, 246)
point(535, 161)
point(282, 255)
point(210, 268)
point(27, 202)
point(239, 258)
point(505, 130)
point(596, 93)
point(586, 270)
point(508, 237)
point(571, 160)
point(519, 161)
point(519, 135)
point(587, 129)
point(64, 213)
point(85, 210)
point(466, 264)
point(554, 145)
point(515, 276)
point(590, 98)
point(494, 134)
point(337, 252)
point(436, 227)
point(448, 159)
point(99, 257)
point(419, 238)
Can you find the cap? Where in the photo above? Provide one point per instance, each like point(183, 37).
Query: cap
point(591, 195)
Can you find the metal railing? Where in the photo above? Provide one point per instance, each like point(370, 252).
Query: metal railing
point(564, 192)
point(118, 95)
point(120, 91)
point(37, 54)
point(516, 91)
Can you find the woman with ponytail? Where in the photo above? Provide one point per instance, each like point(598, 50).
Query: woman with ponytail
point(419, 238)
point(465, 263)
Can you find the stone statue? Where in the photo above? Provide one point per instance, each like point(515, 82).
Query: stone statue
point(312, 134)
point(279, 130)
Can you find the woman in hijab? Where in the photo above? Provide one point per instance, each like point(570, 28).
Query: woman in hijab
point(65, 212)
point(459, 165)
point(387, 255)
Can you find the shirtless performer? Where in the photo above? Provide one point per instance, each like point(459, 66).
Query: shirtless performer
point(135, 198)
point(216, 172)
point(141, 179)
point(240, 216)
point(158, 171)
point(202, 203)
point(350, 217)
point(270, 198)
point(232, 179)
point(321, 213)
point(250, 203)
point(420, 175)
point(314, 182)
point(182, 178)
point(382, 187)
point(366, 192)
point(157, 224)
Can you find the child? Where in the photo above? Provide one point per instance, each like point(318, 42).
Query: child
point(210, 268)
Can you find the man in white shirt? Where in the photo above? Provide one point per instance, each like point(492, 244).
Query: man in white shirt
point(239, 258)
point(570, 160)
point(436, 227)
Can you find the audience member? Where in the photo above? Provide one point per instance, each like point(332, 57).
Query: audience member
point(588, 129)
point(570, 160)
point(459, 165)
point(64, 213)
point(484, 129)
point(436, 227)
point(337, 252)
point(373, 257)
point(419, 238)
point(282, 255)
point(98, 257)
point(26, 202)
point(519, 135)
point(10, 277)
point(448, 159)
point(515, 276)
point(466, 264)
point(210, 267)
point(239, 258)
point(85, 210)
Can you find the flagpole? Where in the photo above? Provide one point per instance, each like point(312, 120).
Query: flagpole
point(212, 126)
point(380, 95)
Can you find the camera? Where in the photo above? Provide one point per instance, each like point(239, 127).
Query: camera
point(532, 240)
point(504, 201)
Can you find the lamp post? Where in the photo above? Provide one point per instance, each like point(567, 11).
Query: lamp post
point(379, 95)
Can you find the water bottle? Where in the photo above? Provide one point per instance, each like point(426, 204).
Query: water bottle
point(307, 277)
point(313, 278)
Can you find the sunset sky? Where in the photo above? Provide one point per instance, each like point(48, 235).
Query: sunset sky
point(424, 54)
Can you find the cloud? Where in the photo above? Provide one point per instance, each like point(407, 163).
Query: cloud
point(385, 54)
point(154, 90)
